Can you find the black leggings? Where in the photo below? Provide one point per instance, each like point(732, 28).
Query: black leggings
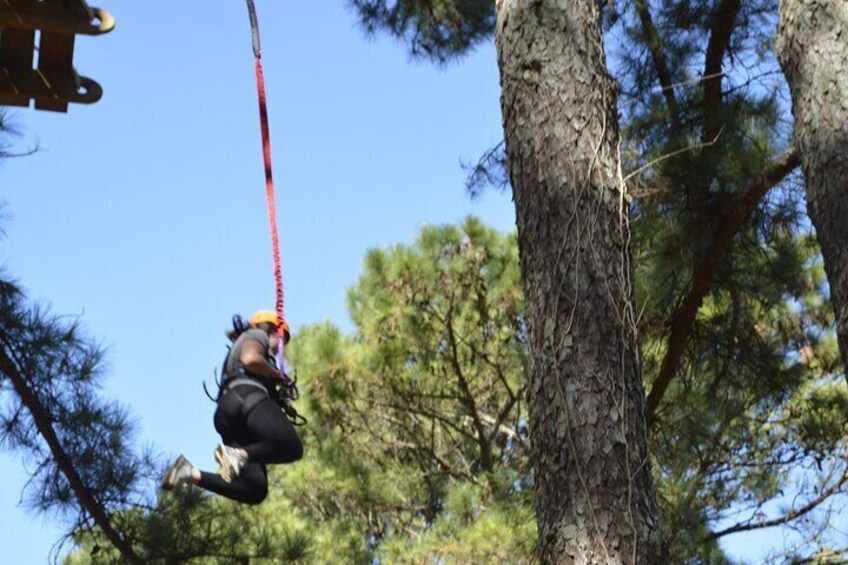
point(263, 431)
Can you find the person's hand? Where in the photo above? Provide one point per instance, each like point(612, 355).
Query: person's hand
point(275, 373)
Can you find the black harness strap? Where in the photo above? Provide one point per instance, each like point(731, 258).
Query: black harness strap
point(283, 397)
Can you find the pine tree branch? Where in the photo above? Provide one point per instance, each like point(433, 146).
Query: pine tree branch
point(680, 324)
point(786, 518)
point(723, 24)
point(468, 400)
point(499, 427)
point(63, 461)
point(416, 411)
point(667, 156)
point(823, 556)
point(504, 413)
point(655, 46)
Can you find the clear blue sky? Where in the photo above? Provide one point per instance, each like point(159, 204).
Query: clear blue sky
point(145, 213)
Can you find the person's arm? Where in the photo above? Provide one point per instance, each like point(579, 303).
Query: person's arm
point(253, 360)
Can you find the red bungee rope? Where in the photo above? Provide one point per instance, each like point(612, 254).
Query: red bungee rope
point(269, 181)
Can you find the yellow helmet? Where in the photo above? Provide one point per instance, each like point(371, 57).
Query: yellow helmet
point(268, 317)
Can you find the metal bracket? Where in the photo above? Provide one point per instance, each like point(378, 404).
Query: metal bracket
point(53, 82)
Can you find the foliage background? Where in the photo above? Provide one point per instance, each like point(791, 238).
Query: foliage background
point(761, 341)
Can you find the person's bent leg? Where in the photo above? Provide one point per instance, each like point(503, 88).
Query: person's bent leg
point(250, 487)
point(279, 443)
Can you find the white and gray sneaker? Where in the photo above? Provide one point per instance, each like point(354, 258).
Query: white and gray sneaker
point(179, 473)
point(230, 461)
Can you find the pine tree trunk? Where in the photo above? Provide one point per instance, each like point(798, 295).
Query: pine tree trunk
point(595, 500)
point(813, 51)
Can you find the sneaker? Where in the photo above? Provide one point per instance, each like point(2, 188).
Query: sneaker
point(230, 460)
point(179, 473)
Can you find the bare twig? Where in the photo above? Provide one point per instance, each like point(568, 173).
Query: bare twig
point(667, 156)
point(786, 518)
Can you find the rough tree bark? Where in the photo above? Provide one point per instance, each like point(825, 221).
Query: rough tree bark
point(595, 499)
point(812, 46)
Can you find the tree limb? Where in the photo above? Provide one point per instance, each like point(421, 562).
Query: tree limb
point(501, 428)
point(468, 401)
point(680, 324)
point(63, 461)
point(723, 23)
point(655, 46)
point(786, 518)
point(823, 556)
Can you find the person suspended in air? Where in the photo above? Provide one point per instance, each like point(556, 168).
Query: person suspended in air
point(254, 429)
